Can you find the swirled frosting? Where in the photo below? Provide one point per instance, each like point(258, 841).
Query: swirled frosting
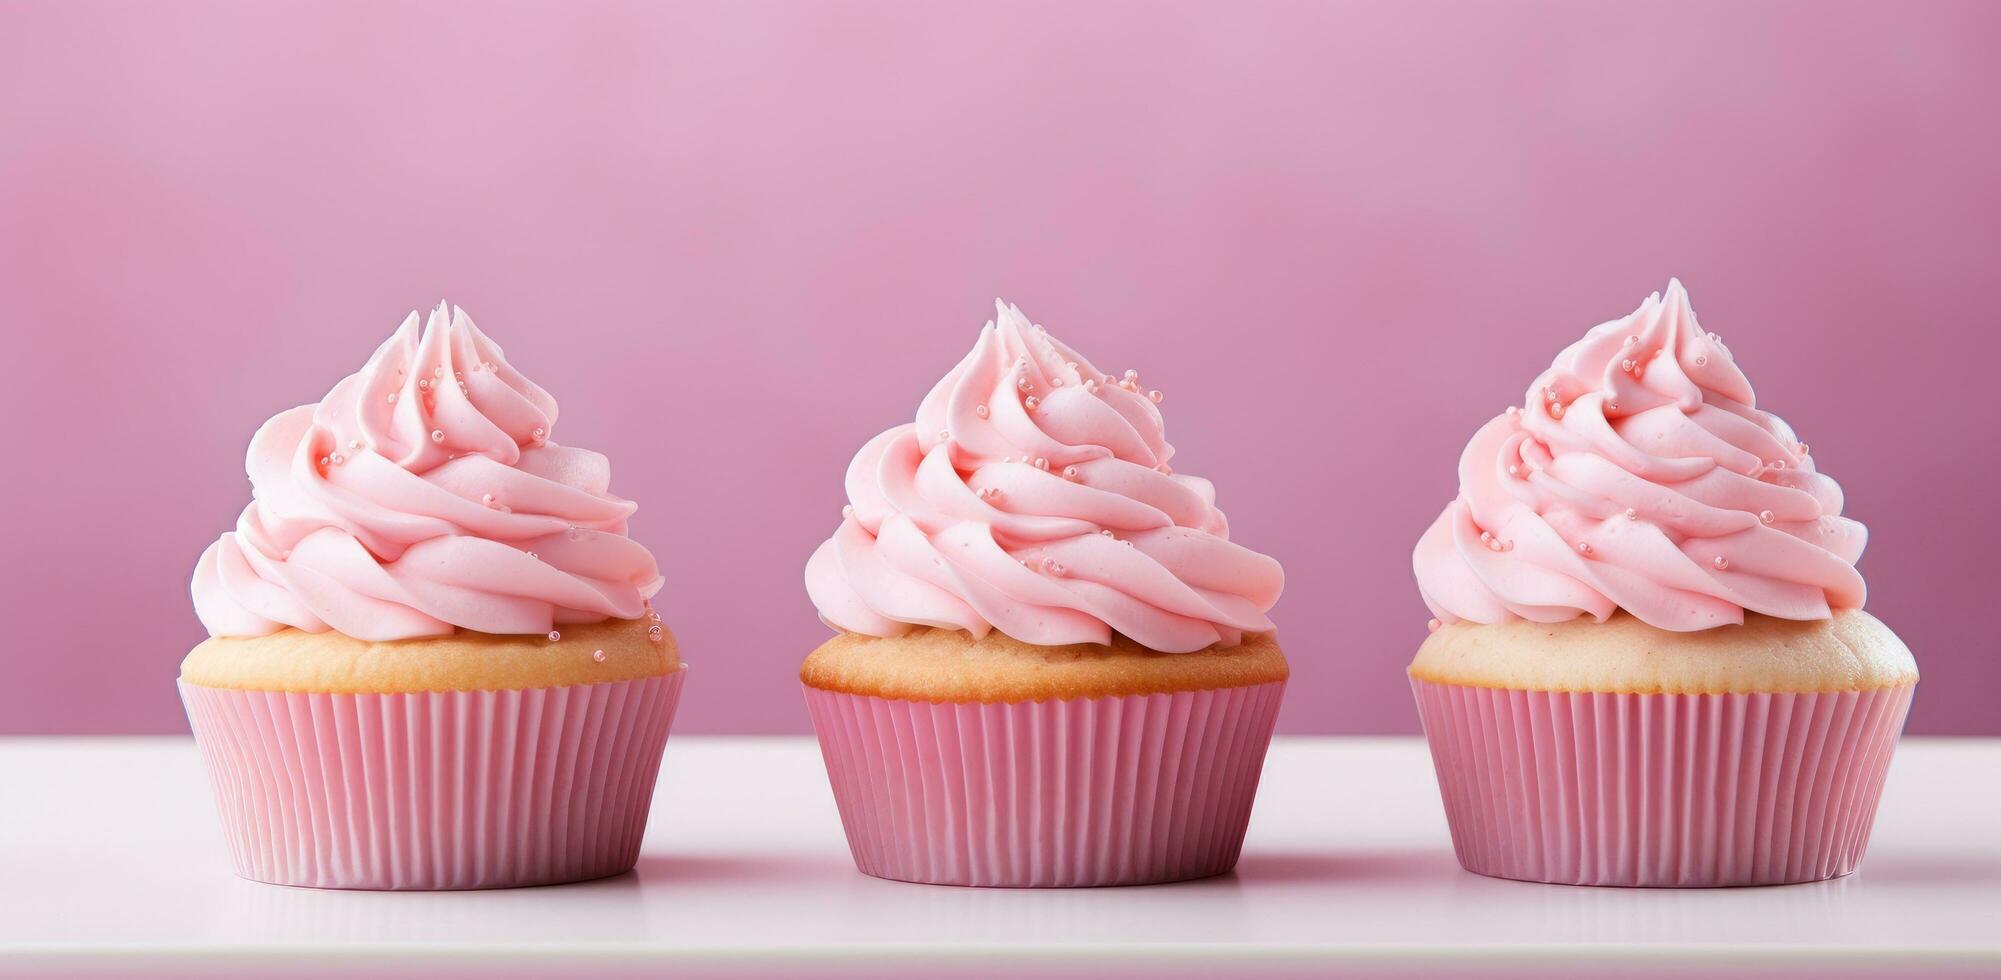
point(1033, 495)
point(1639, 474)
point(424, 494)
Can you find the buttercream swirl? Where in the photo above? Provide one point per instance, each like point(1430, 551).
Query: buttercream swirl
point(1640, 475)
point(424, 494)
point(1033, 495)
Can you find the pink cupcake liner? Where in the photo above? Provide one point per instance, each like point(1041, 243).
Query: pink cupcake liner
point(465, 789)
point(1092, 791)
point(1665, 790)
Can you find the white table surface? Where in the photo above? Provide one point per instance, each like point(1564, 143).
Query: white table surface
point(111, 861)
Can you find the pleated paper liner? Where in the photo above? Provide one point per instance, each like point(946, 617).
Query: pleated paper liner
point(1090, 791)
point(1671, 790)
point(469, 789)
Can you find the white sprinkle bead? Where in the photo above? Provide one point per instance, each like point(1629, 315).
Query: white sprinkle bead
point(944, 435)
point(1155, 396)
point(1632, 341)
point(437, 435)
point(1701, 359)
point(392, 398)
point(1055, 382)
point(1514, 470)
point(1091, 385)
point(354, 444)
point(338, 459)
point(1032, 402)
point(1767, 516)
point(1041, 463)
point(538, 434)
point(554, 636)
point(1070, 472)
point(656, 634)
point(980, 410)
point(1431, 626)
point(1584, 548)
point(1722, 563)
point(1632, 515)
point(487, 499)
point(1778, 464)
point(597, 655)
point(324, 460)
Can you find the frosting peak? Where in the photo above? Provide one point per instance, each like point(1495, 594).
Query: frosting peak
point(1639, 474)
point(424, 494)
point(1033, 495)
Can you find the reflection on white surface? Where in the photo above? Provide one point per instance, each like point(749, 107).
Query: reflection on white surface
point(114, 842)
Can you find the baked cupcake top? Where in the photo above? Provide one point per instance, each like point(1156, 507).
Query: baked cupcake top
point(424, 494)
point(1639, 474)
point(1033, 496)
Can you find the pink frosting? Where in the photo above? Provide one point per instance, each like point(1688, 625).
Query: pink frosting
point(1640, 475)
point(1033, 496)
point(423, 494)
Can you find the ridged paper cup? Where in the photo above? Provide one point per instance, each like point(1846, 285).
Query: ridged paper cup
point(466, 789)
point(1666, 790)
point(1091, 791)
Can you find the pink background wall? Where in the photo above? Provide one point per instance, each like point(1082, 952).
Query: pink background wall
point(737, 240)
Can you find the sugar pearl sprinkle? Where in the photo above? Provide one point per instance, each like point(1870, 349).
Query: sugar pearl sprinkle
point(1722, 563)
point(597, 655)
point(1431, 626)
point(437, 435)
point(656, 634)
point(1767, 516)
point(1584, 548)
point(554, 635)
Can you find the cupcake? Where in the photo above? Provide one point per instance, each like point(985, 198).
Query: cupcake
point(432, 659)
point(1053, 666)
point(1650, 665)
